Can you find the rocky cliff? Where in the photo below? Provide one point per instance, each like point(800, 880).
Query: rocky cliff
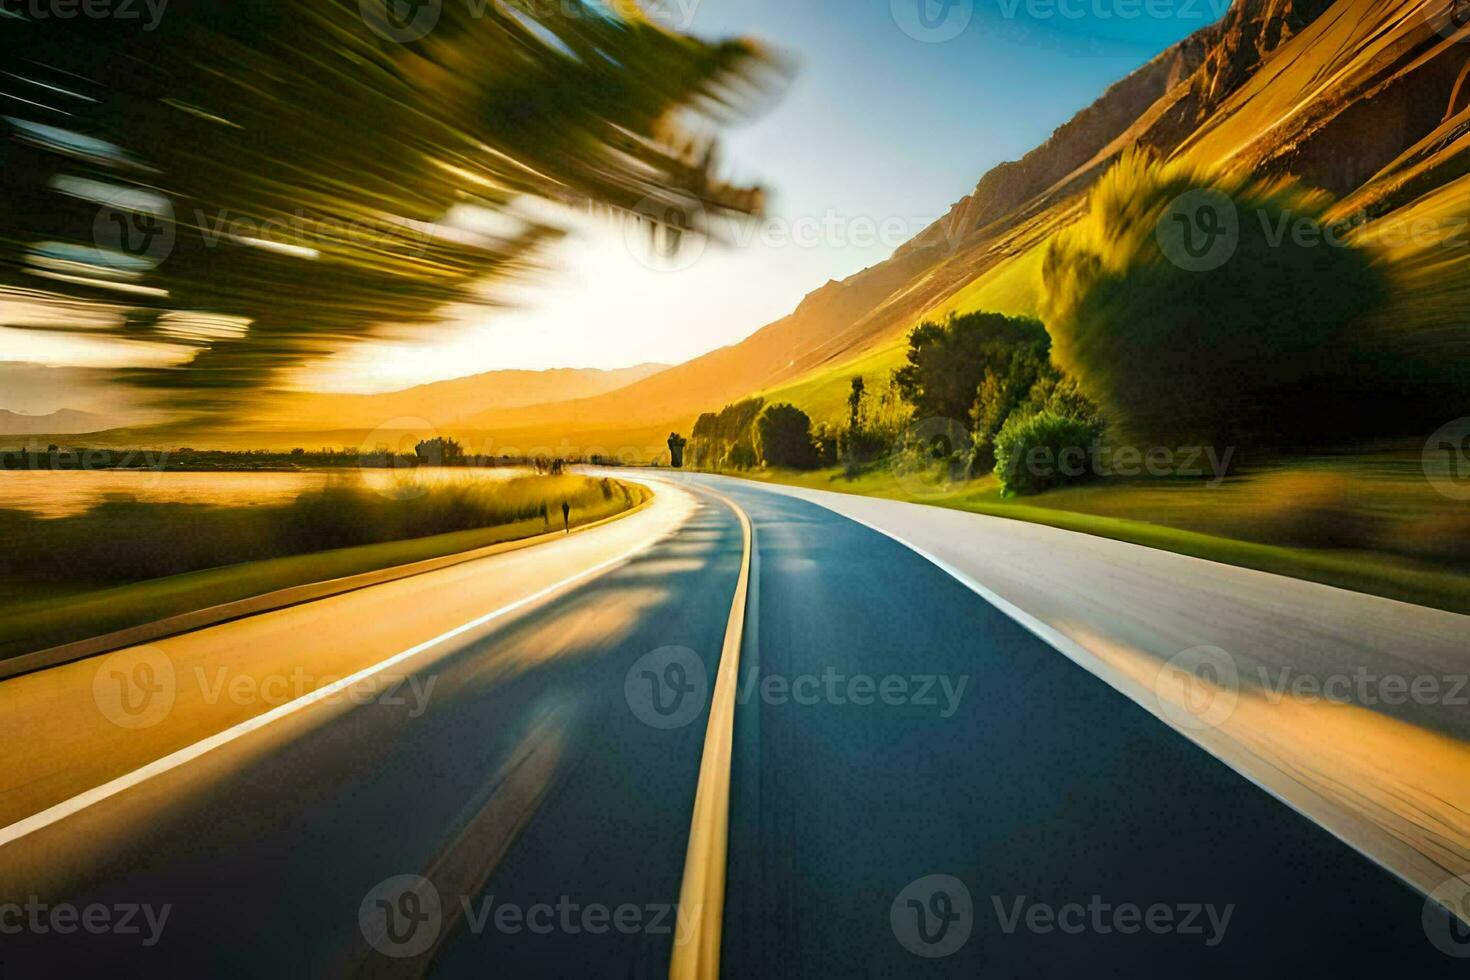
point(1355, 96)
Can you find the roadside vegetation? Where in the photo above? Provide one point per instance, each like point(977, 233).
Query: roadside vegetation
point(438, 452)
point(123, 562)
point(1369, 523)
point(1267, 406)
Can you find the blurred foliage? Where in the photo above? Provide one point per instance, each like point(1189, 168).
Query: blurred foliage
point(948, 361)
point(882, 423)
point(253, 184)
point(725, 440)
point(783, 438)
point(120, 539)
point(1266, 349)
point(1036, 451)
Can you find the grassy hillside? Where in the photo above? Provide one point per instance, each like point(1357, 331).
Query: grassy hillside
point(84, 575)
point(1368, 523)
point(1350, 117)
point(1352, 96)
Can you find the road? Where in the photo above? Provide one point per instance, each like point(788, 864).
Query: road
point(915, 784)
point(1353, 708)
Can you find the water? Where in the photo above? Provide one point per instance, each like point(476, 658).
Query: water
point(60, 493)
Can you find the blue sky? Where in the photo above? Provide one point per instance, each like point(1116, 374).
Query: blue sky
point(877, 120)
point(879, 130)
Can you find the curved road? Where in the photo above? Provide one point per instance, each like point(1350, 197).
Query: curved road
point(917, 786)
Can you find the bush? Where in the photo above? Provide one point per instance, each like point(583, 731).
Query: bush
point(125, 540)
point(948, 361)
point(783, 438)
point(741, 456)
point(1177, 350)
point(1036, 452)
point(1006, 388)
point(858, 446)
point(723, 440)
point(828, 442)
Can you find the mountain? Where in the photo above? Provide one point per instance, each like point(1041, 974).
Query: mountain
point(64, 422)
point(459, 402)
point(1364, 98)
point(1367, 99)
point(28, 388)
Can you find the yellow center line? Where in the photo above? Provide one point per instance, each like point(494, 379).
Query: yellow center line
point(702, 896)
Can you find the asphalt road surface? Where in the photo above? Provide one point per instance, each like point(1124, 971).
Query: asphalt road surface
point(916, 786)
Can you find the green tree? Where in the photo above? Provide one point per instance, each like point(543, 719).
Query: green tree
point(726, 440)
point(827, 439)
point(1251, 341)
point(439, 451)
point(948, 361)
point(267, 182)
point(855, 405)
point(783, 438)
point(1039, 451)
point(706, 449)
point(1007, 387)
point(676, 450)
point(742, 454)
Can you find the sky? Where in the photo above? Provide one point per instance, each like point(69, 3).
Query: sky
point(890, 118)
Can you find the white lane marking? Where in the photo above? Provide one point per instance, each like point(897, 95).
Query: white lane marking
point(81, 801)
point(1090, 662)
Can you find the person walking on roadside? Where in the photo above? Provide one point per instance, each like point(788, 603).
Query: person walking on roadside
point(566, 516)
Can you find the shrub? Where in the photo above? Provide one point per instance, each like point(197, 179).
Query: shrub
point(948, 361)
point(123, 539)
point(783, 438)
point(742, 456)
point(1005, 389)
point(827, 440)
point(724, 440)
point(1258, 349)
point(1036, 452)
point(676, 450)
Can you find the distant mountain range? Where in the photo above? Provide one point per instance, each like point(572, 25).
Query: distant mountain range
point(64, 422)
point(1367, 99)
point(459, 403)
point(330, 419)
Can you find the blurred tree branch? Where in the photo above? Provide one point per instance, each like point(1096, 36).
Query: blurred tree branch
point(266, 182)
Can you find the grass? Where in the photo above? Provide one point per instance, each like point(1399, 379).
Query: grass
point(1011, 287)
point(1363, 523)
point(823, 394)
point(40, 612)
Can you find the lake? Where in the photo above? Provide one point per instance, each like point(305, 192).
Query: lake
point(62, 492)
